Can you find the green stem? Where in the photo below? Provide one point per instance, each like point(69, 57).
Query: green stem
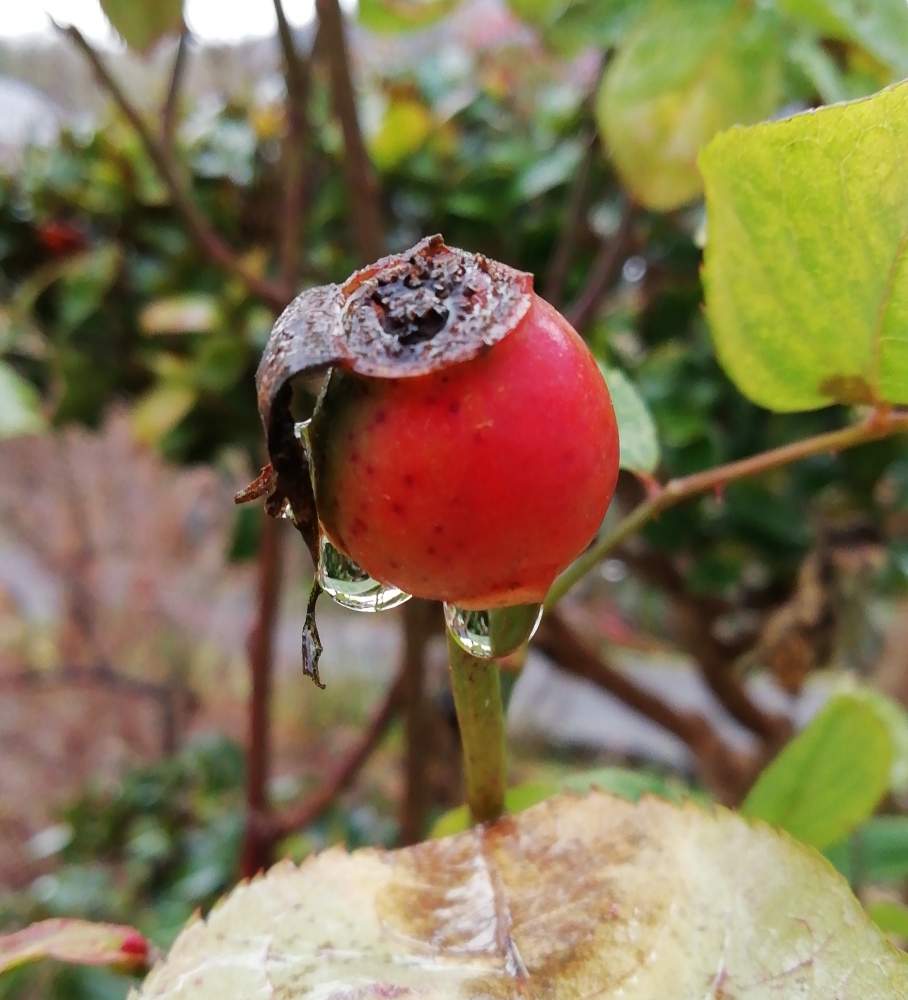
point(476, 686)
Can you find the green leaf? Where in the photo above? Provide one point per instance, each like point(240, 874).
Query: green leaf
point(876, 852)
point(405, 127)
point(516, 799)
point(393, 16)
point(688, 69)
point(627, 784)
point(550, 170)
point(806, 266)
point(636, 431)
point(879, 26)
point(20, 404)
point(586, 896)
point(890, 916)
point(77, 941)
point(143, 23)
point(572, 25)
point(830, 777)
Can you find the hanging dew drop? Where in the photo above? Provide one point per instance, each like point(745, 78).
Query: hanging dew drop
point(487, 634)
point(352, 587)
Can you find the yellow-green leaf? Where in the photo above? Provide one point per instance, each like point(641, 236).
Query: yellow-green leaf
point(574, 898)
point(78, 941)
point(688, 69)
point(405, 127)
point(830, 777)
point(20, 404)
point(143, 23)
point(806, 269)
point(160, 410)
point(189, 313)
point(879, 26)
point(393, 16)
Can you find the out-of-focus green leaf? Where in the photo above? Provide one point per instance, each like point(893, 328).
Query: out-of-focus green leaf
point(20, 404)
point(806, 270)
point(688, 69)
point(636, 430)
point(78, 941)
point(549, 171)
point(628, 784)
point(876, 852)
point(516, 800)
point(160, 410)
point(393, 16)
point(143, 23)
point(896, 718)
point(879, 26)
point(405, 127)
point(571, 25)
point(890, 916)
point(830, 777)
point(85, 281)
point(819, 67)
point(189, 313)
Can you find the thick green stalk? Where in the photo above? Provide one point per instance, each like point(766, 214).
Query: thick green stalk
point(476, 686)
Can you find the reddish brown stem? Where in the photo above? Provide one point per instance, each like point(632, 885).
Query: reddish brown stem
point(296, 75)
point(362, 186)
point(171, 101)
point(344, 772)
point(725, 772)
point(603, 271)
point(573, 225)
point(206, 238)
point(257, 845)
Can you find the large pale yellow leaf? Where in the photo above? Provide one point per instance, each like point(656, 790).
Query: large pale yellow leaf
point(574, 899)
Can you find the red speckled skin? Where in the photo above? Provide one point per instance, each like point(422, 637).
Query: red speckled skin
point(479, 483)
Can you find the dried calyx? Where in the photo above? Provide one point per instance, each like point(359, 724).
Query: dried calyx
point(407, 314)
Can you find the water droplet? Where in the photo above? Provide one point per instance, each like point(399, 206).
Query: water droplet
point(300, 430)
point(352, 587)
point(286, 511)
point(486, 634)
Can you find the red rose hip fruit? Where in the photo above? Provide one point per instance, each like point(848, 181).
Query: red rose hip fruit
point(477, 483)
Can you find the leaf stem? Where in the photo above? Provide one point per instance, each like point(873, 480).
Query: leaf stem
point(882, 423)
point(476, 685)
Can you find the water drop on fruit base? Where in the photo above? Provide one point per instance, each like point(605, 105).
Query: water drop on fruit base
point(352, 587)
point(496, 632)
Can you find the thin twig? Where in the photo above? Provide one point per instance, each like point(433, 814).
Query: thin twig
point(574, 216)
point(206, 238)
point(257, 848)
point(362, 186)
point(296, 75)
point(878, 425)
point(344, 772)
point(603, 270)
point(172, 101)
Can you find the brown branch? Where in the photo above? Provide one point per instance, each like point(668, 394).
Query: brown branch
point(726, 772)
point(341, 776)
point(206, 238)
point(603, 270)
point(296, 75)
point(171, 101)
point(572, 226)
point(696, 616)
point(257, 847)
point(881, 424)
point(362, 186)
point(419, 619)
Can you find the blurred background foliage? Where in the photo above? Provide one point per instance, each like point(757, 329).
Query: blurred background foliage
point(537, 134)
